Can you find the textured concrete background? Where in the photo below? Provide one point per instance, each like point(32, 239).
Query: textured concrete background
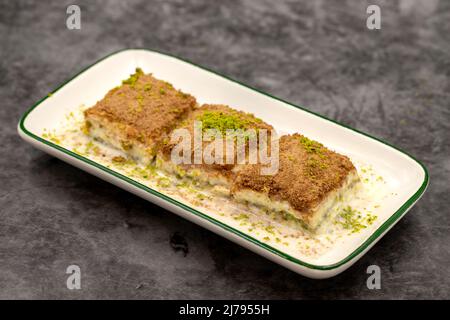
point(393, 83)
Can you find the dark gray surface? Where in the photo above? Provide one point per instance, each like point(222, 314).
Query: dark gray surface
point(393, 83)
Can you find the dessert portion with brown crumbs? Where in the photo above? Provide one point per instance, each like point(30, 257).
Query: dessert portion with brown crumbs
point(138, 115)
point(215, 119)
point(143, 116)
point(310, 180)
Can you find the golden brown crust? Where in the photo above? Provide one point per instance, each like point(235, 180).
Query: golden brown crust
point(246, 121)
point(307, 173)
point(146, 108)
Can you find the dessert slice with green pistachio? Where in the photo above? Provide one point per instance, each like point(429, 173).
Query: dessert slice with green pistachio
point(220, 139)
point(309, 181)
point(138, 115)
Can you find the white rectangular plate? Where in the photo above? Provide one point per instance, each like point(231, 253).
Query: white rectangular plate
point(405, 178)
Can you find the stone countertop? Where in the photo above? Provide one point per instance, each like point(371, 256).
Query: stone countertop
point(393, 83)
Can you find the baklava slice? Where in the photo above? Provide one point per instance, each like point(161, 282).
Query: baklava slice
point(236, 131)
point(138, 115)
point(309, 181)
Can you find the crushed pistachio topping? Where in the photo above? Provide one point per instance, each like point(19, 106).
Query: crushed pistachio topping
point(221, 121)
point(270, 229)
point(133, 77)
point(314, 167)
point(91, 147)
point(311, 146)
point(316, 160)
point(241, 216)
point(354, 220)
point(316, 163)
point(52, 137)
point(168, 85)
point(201, 196)
point(163, 182)
point(77, 151)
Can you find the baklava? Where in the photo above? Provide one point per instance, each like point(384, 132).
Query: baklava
point(138, 115)
point(225, 134)
point(309, 182)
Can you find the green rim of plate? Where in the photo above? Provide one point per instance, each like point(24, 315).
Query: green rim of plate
point(374, 236)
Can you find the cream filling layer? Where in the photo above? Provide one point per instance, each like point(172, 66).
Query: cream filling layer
point(114, 135)
point(311, 220)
